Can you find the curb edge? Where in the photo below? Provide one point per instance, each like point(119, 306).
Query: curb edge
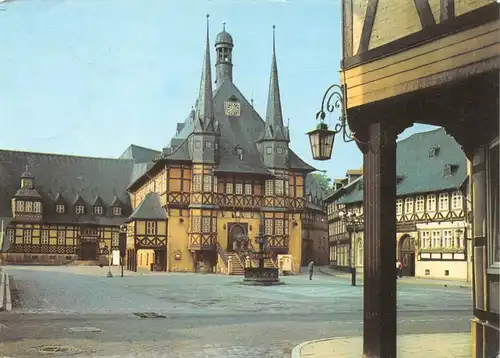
point(298, 348)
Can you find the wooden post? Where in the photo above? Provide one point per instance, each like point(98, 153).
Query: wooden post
point(379, 170)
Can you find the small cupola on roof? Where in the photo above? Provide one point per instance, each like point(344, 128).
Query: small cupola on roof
point(224, 63)
point(27, 202)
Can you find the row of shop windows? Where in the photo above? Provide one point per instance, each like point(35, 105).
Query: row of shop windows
point(208, 224)
point(44, 237)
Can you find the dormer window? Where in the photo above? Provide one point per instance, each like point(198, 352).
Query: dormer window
point(20, 206)
point(27, 183)
point(60, 208)
point(117, 211)
point(239, 152)
point(79, 209)
point(37, 207)
point(98, 210)
point(28, 206)
point(434, 151)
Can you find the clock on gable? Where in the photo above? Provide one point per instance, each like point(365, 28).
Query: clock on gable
point(232, 108)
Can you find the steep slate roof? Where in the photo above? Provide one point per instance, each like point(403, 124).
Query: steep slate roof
point(417, 173)
point(149, 209)
point(67, 177)
point(313, 188)
point(139, 154)
point(243, 131)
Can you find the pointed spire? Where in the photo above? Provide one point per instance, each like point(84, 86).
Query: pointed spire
point(274, 116)
point(204, 106)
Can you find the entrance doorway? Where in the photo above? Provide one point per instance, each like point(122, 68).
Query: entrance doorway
point(88, 250)
point(236, 239)
point(407, 255)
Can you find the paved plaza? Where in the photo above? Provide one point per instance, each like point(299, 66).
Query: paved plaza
point(79, 311)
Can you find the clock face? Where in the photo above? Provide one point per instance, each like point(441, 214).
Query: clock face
point(232, 109)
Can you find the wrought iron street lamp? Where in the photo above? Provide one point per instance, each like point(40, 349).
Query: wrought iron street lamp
point(322, 138)
point(351, 218)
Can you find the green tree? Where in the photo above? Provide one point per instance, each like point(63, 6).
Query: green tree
point(325, 182)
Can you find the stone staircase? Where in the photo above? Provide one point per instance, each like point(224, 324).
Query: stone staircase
point(236, 268)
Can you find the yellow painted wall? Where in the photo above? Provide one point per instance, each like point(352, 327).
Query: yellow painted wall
point(145, 258)
point(295, 243)
point(178, 241)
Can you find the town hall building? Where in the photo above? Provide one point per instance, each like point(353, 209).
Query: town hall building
point(196, 205)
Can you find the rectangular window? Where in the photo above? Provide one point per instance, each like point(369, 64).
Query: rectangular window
point(239, 189)
point(448, 238)
point(493, 206)
point(11, 235)
point(44, 237)
point(279, 188)
point(28, 206)
point(60, 209)
point(61, 237)
point(268, 226)
point(20, 206)
point(117, 211)
point(431, 202)
point(456, 200)
point(443, 202)
point(98, 210)
point(248, 189)
point(399, 206)
point(214, 224)
point(196, 224)
point(420, 204)
point(206, 224)
point(425, 240)
point(115, 239)
point(436, 239)
point(215, 184)
point(269, 188)
point(79, 209)
point(27, 233)
point(409, 206)
point(278, 227)
point(151, 227)
point(196, 182)
point(229, 188)
point(37, 207)
point(207, 183)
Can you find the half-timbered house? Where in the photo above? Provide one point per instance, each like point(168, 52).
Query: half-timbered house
point(432, 207)
point(197, 205)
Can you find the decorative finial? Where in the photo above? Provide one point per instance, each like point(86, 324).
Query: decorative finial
point(274, 38)
point(251, 101)
point(208, 16)
point(223, 26)
point(288, 124)
point(26, 168)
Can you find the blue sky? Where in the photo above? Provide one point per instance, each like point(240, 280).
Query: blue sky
point(90, 77)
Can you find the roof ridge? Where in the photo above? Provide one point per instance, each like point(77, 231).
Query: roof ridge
point(64, 155)
point(418, 134)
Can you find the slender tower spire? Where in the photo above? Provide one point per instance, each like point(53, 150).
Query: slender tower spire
point(275, 129)
point(205, 117)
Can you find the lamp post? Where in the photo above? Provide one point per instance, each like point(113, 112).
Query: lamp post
point(351, 219)
point(107, 252)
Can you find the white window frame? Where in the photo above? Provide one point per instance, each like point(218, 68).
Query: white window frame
point(229, 188)
point(444, 202)
point(28, 206)
point(448, 238)
point(457, 200)
point(98, 210)
point(196, 182)
point(399, 206)
point(409, 206)
point(269, 187)
point(279, 227)
point(491, 241)
point(27, 236)
point(115, 239)
point(420, 204)
point(44, 237)
point(206, 224)
point(61, 237)
point(425, 239)
point(248, 189)
point(117, 211)
point(215, 184)
point(437, 240)
point(431, 203)
point(37, 207)
point(207, 183)
point(238, 190)
point(196, 224)
point(11, 235)
point(20, 206)
point(268, 226)
point(279, 188)
point(79, 209)
point(60, 208)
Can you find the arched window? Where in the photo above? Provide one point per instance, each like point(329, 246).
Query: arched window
point(360, 253)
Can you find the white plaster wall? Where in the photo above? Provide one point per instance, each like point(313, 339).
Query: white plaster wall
point(458, 269)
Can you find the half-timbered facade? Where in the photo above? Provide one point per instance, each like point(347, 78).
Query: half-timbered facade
point(226, 175)
point(433, 62)
point(433, 211)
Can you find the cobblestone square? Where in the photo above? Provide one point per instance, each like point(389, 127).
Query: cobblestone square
point(205, 315)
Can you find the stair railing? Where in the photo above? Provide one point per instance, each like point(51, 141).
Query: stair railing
point(223, 255)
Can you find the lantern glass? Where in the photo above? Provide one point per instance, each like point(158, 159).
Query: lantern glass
point(321, 141)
